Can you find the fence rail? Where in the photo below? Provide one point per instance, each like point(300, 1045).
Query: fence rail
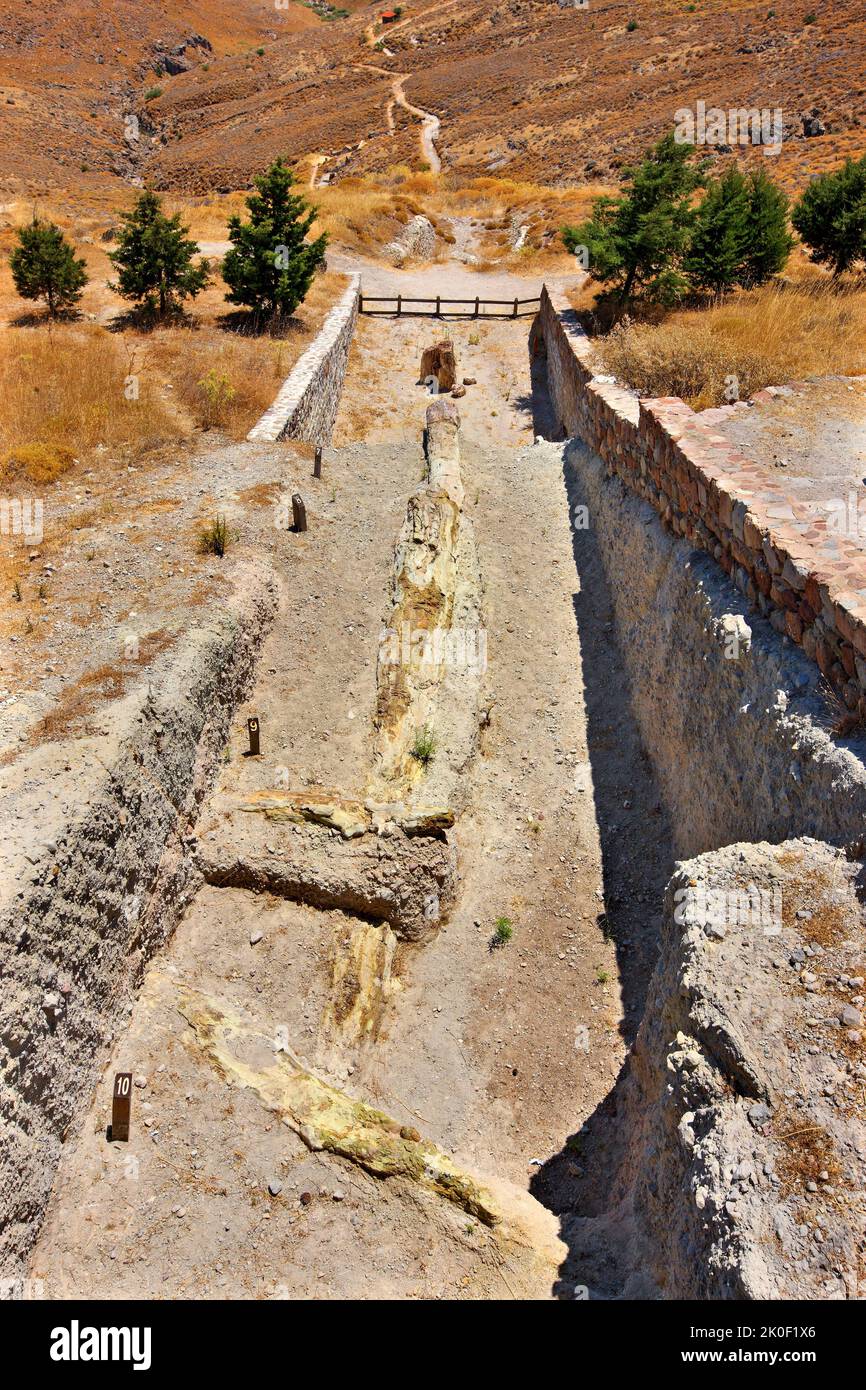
point(478, 307)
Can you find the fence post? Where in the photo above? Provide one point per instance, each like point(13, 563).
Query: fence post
point(514, 315)
point(476, 306)
point(360, 304)
point(438, 301)
point(399, 305)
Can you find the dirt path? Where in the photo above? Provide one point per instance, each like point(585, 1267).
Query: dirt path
point(430, 123)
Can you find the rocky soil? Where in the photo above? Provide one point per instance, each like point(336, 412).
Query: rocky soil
point(742, 1106)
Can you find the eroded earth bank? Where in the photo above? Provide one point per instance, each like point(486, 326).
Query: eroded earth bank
point(432, 998)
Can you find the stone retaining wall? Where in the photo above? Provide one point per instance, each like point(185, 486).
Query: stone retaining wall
point(732, 716)
point(307, 403)
point(809, 583)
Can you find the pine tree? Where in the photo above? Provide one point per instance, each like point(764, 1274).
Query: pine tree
point(717, 246)
point(44, 266)
point(768, 242)
point(271, 264)
point(635, 242)
point(831, 216)
point(154, 258)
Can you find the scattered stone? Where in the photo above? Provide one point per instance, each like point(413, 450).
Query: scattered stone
point(275, 1187)
point(759, 1114)
point(255, 937)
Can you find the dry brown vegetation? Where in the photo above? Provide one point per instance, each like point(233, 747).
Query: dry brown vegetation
point(768, 336)
point(63, 394)
point(807, 1151)
point(93, 383)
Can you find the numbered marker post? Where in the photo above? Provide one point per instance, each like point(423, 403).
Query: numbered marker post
point(121, 1105)
point(253, 731)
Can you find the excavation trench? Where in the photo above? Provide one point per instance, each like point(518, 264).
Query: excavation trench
point(348, 1086)
point(697, 1197)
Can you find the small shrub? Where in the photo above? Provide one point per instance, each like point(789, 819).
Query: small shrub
point(261, 52)
point(810, 18)
point(503, 931)
point(16, 592)
point(601, 976)
point(37, 463)
point(424, 746)
point(631, 26)
point(214, 539)
point(218, 394)
point(152, 93)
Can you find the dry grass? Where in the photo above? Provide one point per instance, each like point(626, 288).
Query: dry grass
point(764, 337)
point(807, 1151)
point(221, 380)
point(63, 394)
point(362, 213)
point(85, 696)
point(224, 379)
point(544, 211)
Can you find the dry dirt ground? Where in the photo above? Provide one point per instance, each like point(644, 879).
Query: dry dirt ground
point(497, 1056)
point(111, 581)
point(812, 438)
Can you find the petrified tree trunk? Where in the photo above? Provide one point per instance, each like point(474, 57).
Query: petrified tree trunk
point(439, 363)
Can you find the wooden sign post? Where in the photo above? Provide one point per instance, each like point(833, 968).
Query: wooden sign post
point(121, 1106)
point(299, 512)
point(253, 731)
point(317, 464)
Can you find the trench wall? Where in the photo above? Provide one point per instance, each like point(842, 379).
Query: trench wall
point(307, 402)
point(733, 716)
point(726, 621)
point(809, 583)
point(83, 911)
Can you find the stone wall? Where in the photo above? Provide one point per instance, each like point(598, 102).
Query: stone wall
point(809, 583)
point(83, 910)
point(733, 716)
point(307, 402)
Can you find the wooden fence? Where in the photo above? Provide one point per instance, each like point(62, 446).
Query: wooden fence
point(477, 308)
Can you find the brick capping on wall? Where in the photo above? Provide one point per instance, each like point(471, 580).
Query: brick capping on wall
point(809, 582)
point(306, 404)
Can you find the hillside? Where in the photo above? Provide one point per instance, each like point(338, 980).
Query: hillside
point(71, 74)
point(556, 94)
